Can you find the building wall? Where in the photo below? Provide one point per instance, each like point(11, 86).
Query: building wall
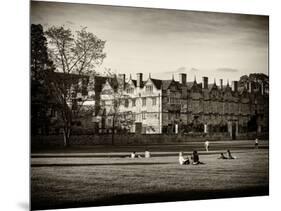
point(178, 107)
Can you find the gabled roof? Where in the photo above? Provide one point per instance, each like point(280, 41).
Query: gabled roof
point(157, 83)
point(166, 84)
point(113, 83)
point(133, 81)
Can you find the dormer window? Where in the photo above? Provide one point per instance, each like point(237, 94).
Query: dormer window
point(130, 90)
point(149, 88)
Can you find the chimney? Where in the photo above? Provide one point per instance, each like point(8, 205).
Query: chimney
point(121, 80)
point(235, 86)
point(205, 82)
point(182, 77)
point(221, 84)
point(249, 85)
point(139, 79)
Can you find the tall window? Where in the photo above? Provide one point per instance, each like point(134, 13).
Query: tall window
point(109, 122)
point(133, 102)
point(126, 103)
point(143, 115)
point(154, 101)
point(143, 101)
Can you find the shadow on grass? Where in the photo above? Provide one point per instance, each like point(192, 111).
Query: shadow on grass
point(168, 196)
point(94, 164)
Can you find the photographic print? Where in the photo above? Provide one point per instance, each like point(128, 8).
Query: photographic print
point(137, 105)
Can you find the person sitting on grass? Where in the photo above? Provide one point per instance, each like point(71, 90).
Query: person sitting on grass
point(229, 155)
point(195, 158)
point(133, 155)
point(222, 156)
point(182, 160)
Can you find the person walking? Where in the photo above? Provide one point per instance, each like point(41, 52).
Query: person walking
point(207, 143)
point(256, 143)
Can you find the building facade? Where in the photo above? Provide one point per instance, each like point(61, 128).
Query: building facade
point(155, 106)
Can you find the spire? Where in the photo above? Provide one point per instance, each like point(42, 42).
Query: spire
point(227, 83)
point(130, 76)
point(215, 81)
point(149, 76)
point(172, 77)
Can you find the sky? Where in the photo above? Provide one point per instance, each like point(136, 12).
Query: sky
point(167, 42)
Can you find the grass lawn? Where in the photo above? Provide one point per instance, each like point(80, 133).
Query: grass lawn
point(60, 182)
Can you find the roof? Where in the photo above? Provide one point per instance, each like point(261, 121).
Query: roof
point(157, 83)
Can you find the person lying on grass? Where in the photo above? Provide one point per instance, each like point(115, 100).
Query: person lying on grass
point(183, 160)
point(222, 156)
point(195, 158)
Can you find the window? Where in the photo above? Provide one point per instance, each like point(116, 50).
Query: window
point(169, 116)
point(102, 103)
point(109, 122)
point(154, 101)
point(126, 103)
point(53, 113)
point(134, 117)
point(143, 115)
point(143, 101)
point(149, 88)
point(133, 102)
point(130, 90)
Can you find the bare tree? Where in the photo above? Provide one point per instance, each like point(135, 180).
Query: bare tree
point(120, 118)
point(75, 57)
point(114, 108)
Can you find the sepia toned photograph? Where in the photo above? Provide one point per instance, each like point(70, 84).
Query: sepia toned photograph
point(132, 105)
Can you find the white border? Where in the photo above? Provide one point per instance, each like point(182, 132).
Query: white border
point(14, 82)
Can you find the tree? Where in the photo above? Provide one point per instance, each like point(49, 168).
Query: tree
point(113, 93)
point(40, 66)
point(75, 57)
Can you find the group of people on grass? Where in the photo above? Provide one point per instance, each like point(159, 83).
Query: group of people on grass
point(194, 158)
point(135, 155)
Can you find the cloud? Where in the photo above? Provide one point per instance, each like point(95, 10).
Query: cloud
point(226, 69)
point(182, 69)
point(70, 22)
point(178, 70)
point(194, 69)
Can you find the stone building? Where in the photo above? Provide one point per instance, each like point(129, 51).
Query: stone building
point(155, 106)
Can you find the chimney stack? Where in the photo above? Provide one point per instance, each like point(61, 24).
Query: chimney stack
point(182, 77)
point(121, 80)
point(235, 86)
point(249, 85)
point(205, 82)
point(139, 79)
point(221, 84)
